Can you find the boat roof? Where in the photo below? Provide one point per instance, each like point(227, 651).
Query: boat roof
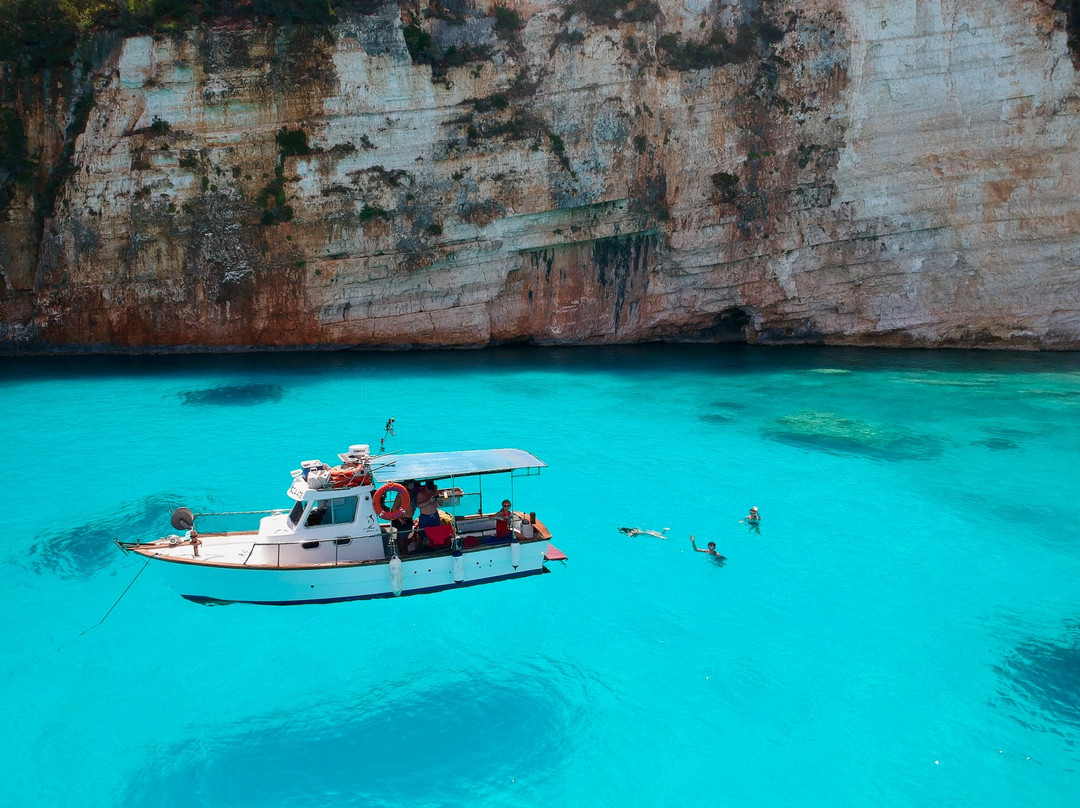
point(432, 465)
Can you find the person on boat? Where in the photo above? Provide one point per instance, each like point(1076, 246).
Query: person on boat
point(404, 524)
point(427, 500)
point(710, 548)
point(502, 522)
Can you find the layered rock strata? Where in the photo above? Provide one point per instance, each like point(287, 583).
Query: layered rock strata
point(859, 173)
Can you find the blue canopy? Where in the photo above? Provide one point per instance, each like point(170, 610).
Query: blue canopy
point(436, 465)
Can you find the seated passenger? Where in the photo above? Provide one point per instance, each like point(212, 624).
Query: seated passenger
point(503, 531)
point(318, 513)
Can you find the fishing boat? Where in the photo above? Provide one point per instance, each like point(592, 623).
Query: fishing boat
point(350, 535)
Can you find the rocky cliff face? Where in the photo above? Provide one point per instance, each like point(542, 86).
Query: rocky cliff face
point(860, 172)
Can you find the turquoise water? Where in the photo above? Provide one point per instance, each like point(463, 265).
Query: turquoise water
point(904, 631)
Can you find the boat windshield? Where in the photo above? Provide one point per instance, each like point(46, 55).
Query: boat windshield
point(296, 513)
point(340, 511)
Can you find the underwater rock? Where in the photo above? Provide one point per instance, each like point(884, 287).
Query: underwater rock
point(234, 395)
point(715, 418)
point(728, 405)
point(831, 432)
point(83, 551)
point(997, 444)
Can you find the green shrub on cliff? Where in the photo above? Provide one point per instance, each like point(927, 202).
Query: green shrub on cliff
point(15, 165)
point(613, 12)
point(317, 12)
point(41, 32)
point(292, 142)
point(507, 22)
point(712, 52)
point(1072, 25)
point(37, 34)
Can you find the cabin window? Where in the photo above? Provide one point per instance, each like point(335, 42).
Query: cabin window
point(310, 545)
point(296, 513)
point(342, 542)
point(341, 511)
point(317, 515)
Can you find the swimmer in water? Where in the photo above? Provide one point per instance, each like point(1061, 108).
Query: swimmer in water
point(710, 548)
point(753, 519)
point(637, 531)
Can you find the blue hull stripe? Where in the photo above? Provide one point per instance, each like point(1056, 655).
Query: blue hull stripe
point(425, 591)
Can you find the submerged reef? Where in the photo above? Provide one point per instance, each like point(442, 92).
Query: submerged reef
point(234, 395)
point(831, 432)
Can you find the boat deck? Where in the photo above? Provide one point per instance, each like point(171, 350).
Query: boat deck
point(236, 549)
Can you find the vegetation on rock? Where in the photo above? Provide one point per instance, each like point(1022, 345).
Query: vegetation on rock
point(613, 12)
point(38, 33)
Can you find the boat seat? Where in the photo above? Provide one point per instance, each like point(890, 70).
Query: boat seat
point(438, 535)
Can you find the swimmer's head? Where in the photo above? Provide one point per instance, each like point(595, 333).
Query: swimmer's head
point(712, 545)
point(753, 510)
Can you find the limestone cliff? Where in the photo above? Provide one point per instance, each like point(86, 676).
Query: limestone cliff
point(855, 172)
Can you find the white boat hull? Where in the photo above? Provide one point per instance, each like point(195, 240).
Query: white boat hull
point(218, 583)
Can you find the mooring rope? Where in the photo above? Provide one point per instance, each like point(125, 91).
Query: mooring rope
point(102, 620)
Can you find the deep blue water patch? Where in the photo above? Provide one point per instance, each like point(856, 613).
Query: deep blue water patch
point(84, 550)
point(1041, 681)
point(445, 743)
point(234, 395)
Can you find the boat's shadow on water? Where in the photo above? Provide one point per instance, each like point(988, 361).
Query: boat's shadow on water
point(454, 743)
point(85, 550)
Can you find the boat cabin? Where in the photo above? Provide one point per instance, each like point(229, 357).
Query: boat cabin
point(365, 509)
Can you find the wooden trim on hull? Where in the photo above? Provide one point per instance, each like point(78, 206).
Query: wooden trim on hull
point(207, 601)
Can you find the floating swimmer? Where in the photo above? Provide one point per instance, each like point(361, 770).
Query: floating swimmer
point(638, 531)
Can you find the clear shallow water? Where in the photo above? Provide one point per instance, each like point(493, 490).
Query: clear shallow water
point(905, 630)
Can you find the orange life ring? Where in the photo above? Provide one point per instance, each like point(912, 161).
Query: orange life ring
point(403, 502)
point(349, 478)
